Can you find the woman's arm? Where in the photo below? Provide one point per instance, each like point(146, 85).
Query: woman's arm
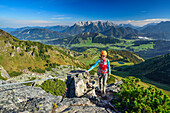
point(108, 64)
point(97, 62)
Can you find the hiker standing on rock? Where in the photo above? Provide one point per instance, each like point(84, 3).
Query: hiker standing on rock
point(103, 70)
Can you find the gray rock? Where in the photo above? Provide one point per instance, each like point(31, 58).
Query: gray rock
point(4, 72)
point(22, 98)
point(78, 105)
point(84, 109)
point(2, 82)
point(76, 102)
point(77, 82)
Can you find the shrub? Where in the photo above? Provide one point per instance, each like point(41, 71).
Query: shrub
point(28, 49)
point(55, 87)
point(48, 69)
point(22, 54)
point(14, 74)
point(38, 70)
point(58, 64)
point(29, 68)
point(134, 98)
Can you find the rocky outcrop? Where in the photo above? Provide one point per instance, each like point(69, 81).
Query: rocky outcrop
point(82, 97)
point(78, 84)
point(3, 72)
point(21, 98)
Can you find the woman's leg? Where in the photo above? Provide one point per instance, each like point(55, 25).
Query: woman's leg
point(104, 82)
point(100, 80)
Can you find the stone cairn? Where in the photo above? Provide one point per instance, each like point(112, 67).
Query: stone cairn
point(79, 84)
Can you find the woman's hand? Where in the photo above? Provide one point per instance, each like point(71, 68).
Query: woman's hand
point(109, 76)
point(87, 72)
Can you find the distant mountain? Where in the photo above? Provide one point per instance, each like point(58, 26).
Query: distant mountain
point(121, 32)
point(8, 29)
point(106, 28)
point(38, 34)
point(128, 25)
point(53, 28)
point(159, 31)
point(150, 24)
point(89, 26)
point(56, 28)
point(156, 69)
point(84, 38)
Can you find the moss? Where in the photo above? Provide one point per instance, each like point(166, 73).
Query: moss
point(55, 87)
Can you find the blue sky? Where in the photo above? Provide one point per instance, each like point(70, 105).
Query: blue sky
point(20, 13)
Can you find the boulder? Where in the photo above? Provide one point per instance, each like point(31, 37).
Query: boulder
point(21, 98)
point(77, 82)
point(78, 105)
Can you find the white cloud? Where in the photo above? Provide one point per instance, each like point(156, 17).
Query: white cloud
point(9, 22)
point(141, 22)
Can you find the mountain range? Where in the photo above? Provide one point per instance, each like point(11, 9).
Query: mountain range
point(83, 38)
point(152, 30)
point(38, 34)
point(151, 39)
point(53, 28)
point(159, 31)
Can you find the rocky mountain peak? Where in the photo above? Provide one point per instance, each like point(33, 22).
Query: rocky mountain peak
point(97, 23)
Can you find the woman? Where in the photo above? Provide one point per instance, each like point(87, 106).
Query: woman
point(103, 70)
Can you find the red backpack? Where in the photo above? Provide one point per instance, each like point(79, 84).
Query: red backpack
point(103, 65)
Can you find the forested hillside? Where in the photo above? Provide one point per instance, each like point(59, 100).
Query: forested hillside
point(156, 69)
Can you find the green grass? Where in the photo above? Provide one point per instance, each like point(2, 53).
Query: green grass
point(143, 47)
point(111, 80)
point(116, 64)
point(88, 45)
point(159, 85)
point(120, 73)
point(55, 87)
